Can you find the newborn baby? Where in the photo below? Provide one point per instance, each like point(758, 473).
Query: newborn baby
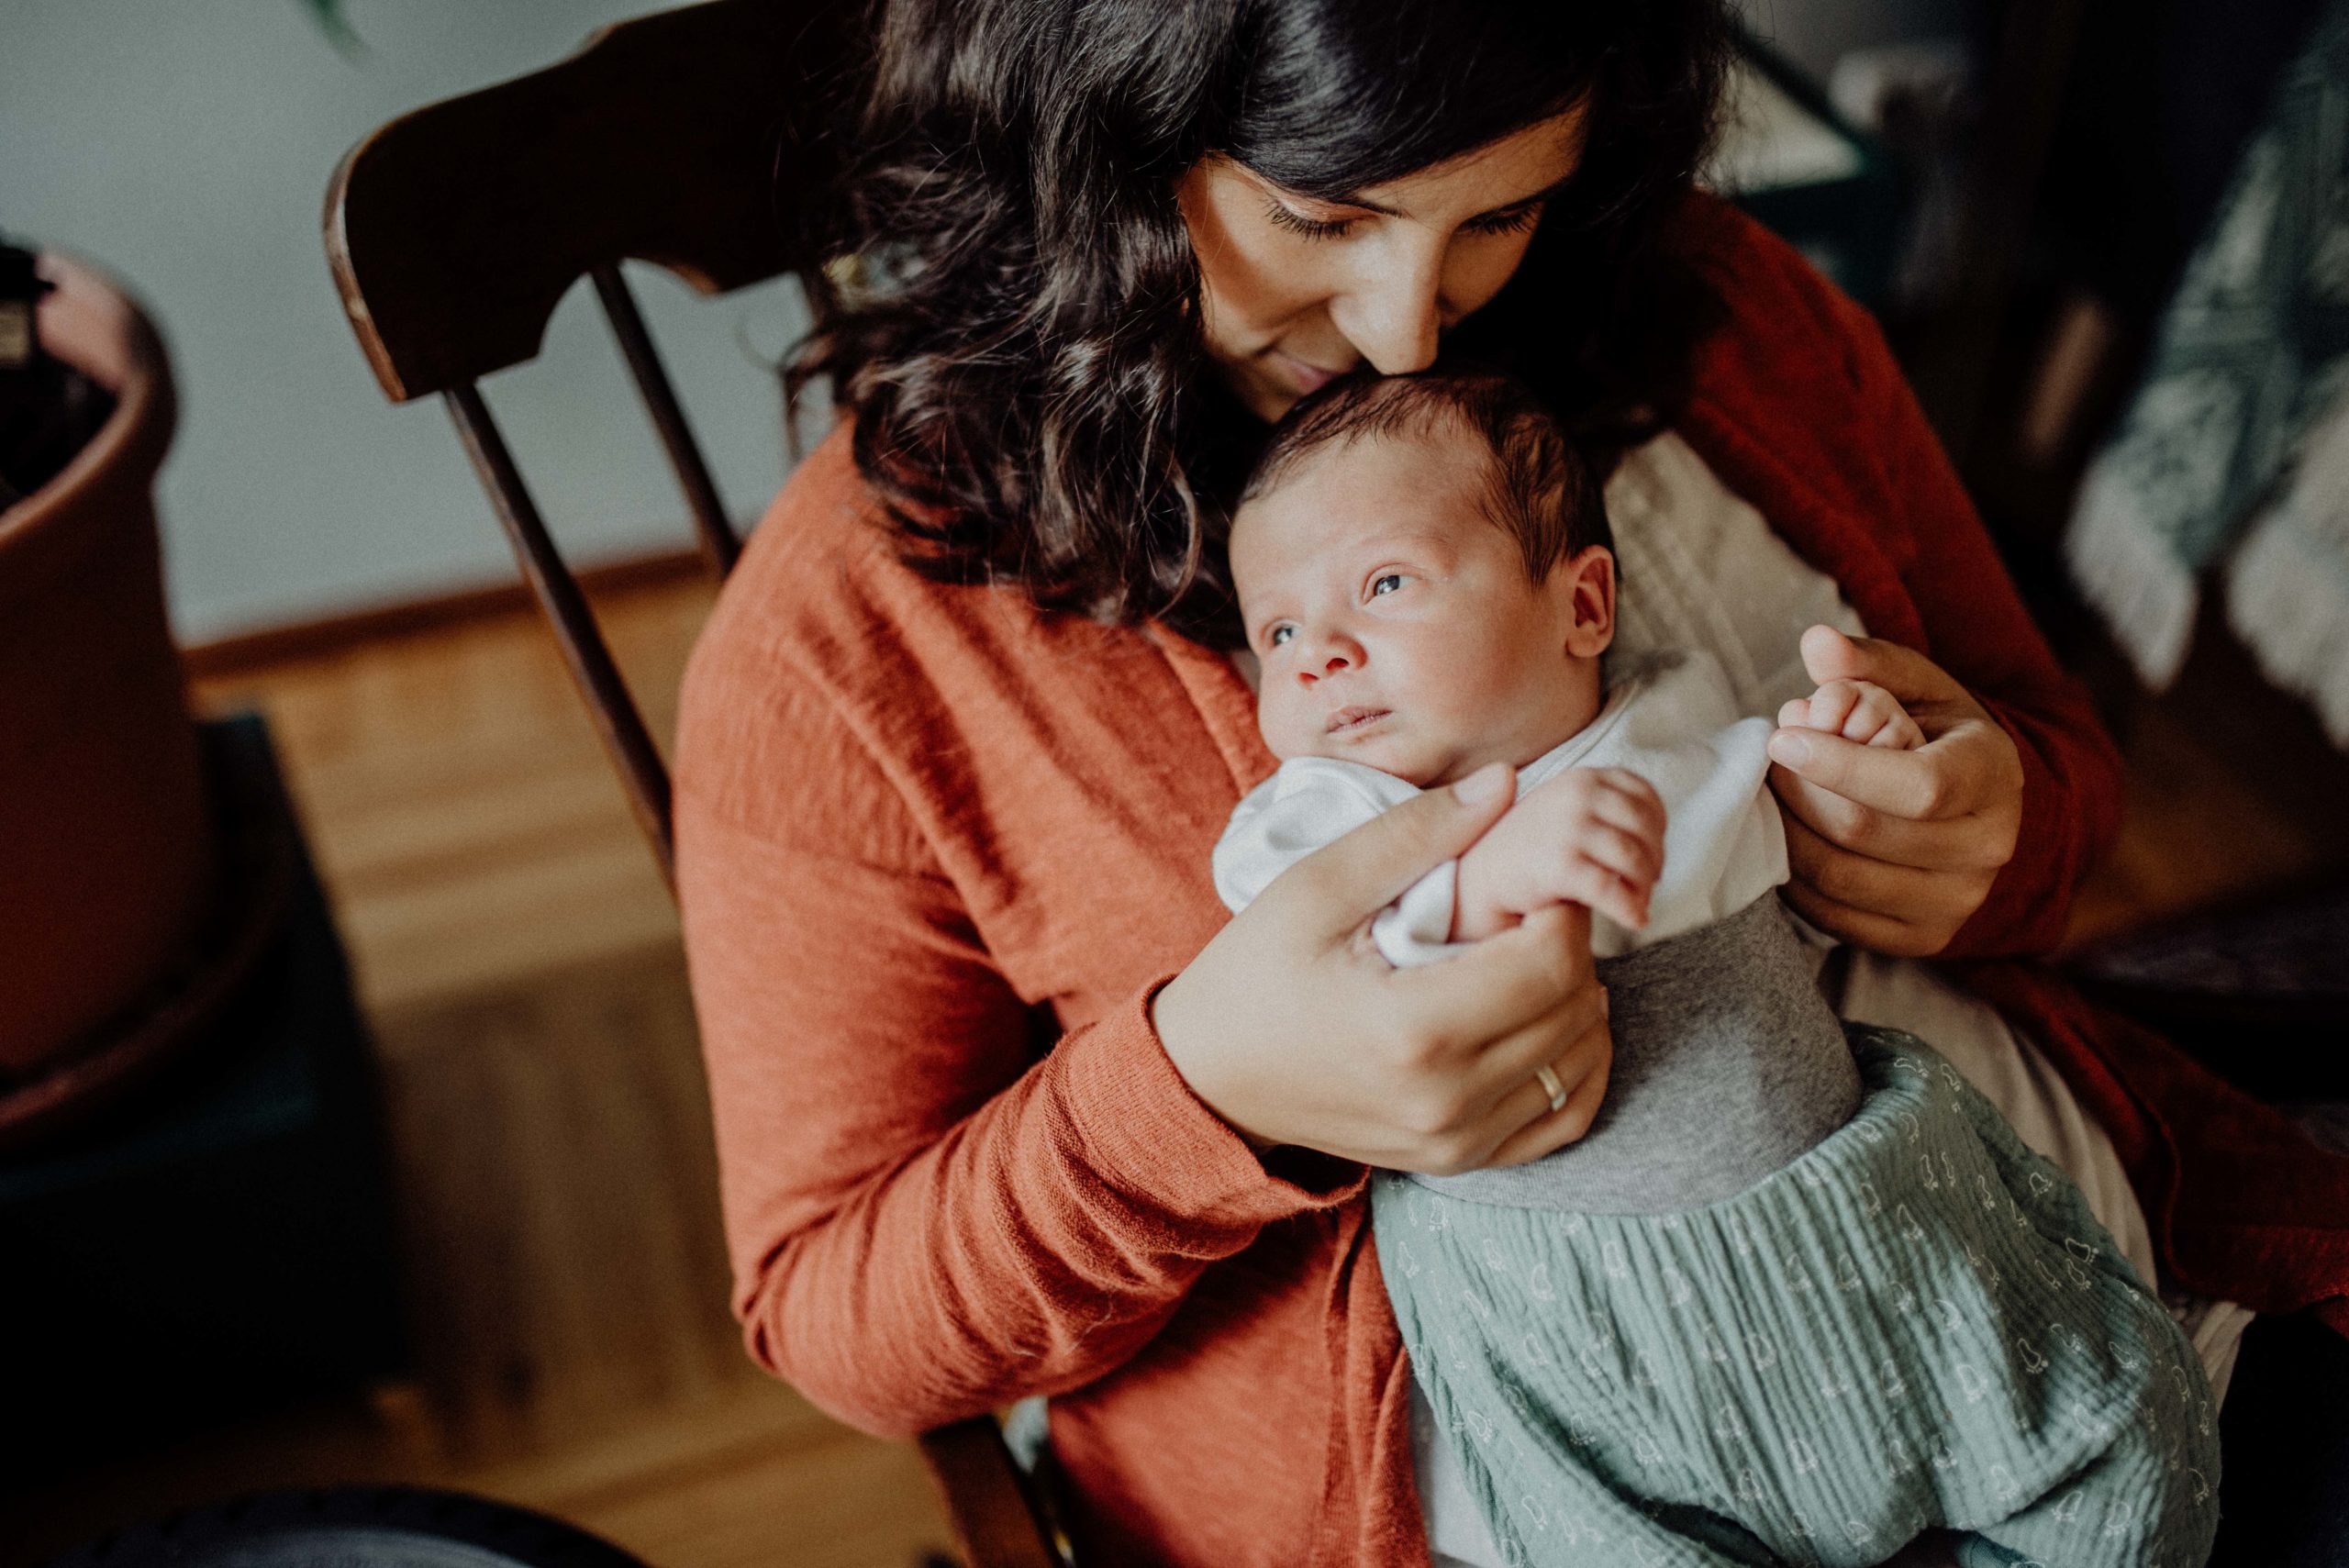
point(1800, 1293)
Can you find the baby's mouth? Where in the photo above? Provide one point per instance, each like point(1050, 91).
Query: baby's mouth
point(1347, 719)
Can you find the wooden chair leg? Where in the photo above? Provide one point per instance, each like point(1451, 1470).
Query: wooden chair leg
point(995, 1523)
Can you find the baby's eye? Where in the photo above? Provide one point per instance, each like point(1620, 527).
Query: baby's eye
point(1280, 634)
point(1385, 582)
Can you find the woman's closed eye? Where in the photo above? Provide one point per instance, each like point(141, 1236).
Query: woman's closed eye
point(1288, 218)
point(1508, 220)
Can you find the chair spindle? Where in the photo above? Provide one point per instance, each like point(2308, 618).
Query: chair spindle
point(717, 541)
point(625, 737)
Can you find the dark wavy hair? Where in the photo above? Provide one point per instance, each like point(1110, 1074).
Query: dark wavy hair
point(1541, 487)
point(1016, 327)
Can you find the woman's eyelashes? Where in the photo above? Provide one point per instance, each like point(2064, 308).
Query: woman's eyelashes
point(1509, 220)
point(1295, 222)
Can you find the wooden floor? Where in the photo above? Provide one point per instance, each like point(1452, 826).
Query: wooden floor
point(518, 958)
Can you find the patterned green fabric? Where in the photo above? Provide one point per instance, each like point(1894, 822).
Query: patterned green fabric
point(2252, 349)
point(1917, 1324)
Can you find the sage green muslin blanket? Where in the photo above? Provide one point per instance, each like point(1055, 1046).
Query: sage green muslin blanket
point(1916, 1323)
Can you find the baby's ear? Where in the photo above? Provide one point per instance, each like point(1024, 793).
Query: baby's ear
point(1589, 583)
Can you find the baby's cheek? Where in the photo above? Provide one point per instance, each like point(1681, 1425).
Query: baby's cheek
point(1278, 726)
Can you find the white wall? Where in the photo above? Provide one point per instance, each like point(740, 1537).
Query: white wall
point(184, 145)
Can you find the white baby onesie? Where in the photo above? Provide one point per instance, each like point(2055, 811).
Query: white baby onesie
point(1670, 718)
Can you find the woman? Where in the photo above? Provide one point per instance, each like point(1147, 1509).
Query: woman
point(960, 735)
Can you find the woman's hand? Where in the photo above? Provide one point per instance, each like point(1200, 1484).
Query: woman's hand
point(1893, 850)
point(1291, 1027)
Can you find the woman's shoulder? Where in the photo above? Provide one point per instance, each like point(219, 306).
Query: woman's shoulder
point(816, 566)
point(819, 618)
point(827, 651)
point(823, 590)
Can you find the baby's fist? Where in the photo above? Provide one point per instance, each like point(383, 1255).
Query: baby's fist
point(1858, 711)
point(1590, 836)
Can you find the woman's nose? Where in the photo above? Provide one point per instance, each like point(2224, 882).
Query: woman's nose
point(1393, 314)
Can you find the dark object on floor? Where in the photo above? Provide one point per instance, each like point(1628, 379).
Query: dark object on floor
point(2260, 995)
point(2283, 1497)
point(221, 1240)
point(250, 894)
point(360, 1527)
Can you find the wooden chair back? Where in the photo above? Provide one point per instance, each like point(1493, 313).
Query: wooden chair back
point(686, 139)
point(689, 138)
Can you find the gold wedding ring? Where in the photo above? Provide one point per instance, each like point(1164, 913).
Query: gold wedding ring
point(1547, 1076)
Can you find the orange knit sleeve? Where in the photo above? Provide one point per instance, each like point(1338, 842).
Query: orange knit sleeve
point(926, 1218)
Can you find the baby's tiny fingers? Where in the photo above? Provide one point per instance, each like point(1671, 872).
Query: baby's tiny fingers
point(1831, 705)
point(1873, 709)
point(1636, 857)
point(1584, 881)
point(1899, 732)
point(1622, 899)
point(1627, 801)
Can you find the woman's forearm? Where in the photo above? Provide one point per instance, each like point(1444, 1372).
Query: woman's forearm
point(1033, 1249)
point(925, 1220)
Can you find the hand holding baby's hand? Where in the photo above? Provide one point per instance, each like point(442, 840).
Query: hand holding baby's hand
point(1859, 711)
point(1591, 836)
point(1894, 849)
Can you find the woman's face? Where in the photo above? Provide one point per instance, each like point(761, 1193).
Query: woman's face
point(1299, 291)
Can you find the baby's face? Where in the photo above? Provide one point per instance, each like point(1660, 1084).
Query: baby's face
point(1395, 620)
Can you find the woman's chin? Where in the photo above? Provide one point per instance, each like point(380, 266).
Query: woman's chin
point(1268, 383)
point(1263, 397)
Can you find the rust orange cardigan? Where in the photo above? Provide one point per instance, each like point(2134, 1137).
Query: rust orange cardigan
point(922, 828)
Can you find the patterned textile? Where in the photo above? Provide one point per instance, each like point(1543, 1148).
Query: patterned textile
point(2288, 591)
point(2252, 355)
point(1916, 1325)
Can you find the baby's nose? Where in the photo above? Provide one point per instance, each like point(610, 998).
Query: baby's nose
point(1331, 665)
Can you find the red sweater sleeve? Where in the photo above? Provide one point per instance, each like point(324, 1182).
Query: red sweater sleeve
point(926, 1221)
point(1976, 629)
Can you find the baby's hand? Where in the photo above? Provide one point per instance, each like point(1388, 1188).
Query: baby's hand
point(1591, 836)
point(1857, 711)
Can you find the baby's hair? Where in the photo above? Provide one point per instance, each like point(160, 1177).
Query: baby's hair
point(1540, 489)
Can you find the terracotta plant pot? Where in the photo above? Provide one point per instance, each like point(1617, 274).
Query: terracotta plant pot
point(105, 840)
